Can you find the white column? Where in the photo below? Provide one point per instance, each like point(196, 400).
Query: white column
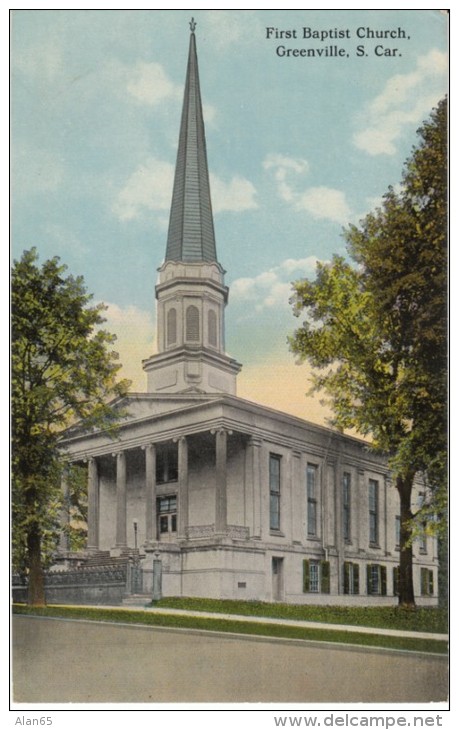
point(183, 487)
point(298, 491)
point(221, 447)
point(254, 475)
point(93, 505)
point(121, 534)
point(150, 493)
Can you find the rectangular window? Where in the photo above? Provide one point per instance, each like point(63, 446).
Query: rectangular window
point(373, 510)
point(423, 543)
point(397, 532)
point(376, 579)
point(313, 577)
point(347, 506)
point(274, 491)
point(427, 582)
point(316, 576)
point(351, 579)
point(167, 514)
point(167, 466)
point(311, 480)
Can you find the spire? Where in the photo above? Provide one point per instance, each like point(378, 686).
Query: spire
point(191, 228)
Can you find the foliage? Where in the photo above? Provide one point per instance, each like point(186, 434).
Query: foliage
point(63, 370)
point(376, 328)
point(385, 617)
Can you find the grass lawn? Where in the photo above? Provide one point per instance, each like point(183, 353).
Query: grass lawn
point(141, 617)
point(434, 620)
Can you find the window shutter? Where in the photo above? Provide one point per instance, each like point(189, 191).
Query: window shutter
point(395, 578)
point(356, 579)
point(346, 570)
point(383, 575)
point(431, 583)
point(325, 577)
point(369, 579)
point(305, 576)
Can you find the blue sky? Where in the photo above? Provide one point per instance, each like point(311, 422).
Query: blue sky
point(298, 148)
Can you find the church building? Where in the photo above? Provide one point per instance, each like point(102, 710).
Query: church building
point(215, 495)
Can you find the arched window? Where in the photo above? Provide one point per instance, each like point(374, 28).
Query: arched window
point(172, 326)
point(212, 327)
point(192, 324)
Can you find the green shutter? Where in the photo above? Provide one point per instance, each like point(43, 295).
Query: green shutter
point(346, 569)
point(325, 576)
point(305, 576)
point(383, 575)
point(395, 579)
point(369, 579)
point(431, 583)
point(356, 580)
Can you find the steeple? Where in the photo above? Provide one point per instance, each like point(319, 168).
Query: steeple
point(191, 293)
point(191, 234)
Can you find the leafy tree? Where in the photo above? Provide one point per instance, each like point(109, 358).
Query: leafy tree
point(63, 369)
point(376, 331)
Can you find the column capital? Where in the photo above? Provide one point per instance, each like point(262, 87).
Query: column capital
point(215, 431)
point(179, 439)
point(150, 445)
point(119, 454)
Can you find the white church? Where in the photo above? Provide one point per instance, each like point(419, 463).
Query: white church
point(231, 499)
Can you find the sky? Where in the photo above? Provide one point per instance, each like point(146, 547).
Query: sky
point(299, 148)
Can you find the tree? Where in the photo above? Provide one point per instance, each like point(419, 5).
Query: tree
point(63, 369)
point(376, 333)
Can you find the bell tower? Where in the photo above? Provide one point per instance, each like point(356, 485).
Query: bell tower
point(191, 293)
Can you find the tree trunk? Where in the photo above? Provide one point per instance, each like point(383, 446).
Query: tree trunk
point(36, 590)
point(406, 591)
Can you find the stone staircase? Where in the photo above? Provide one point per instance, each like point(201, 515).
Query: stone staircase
point(137, 600)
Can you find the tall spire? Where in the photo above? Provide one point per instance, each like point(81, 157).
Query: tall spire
point(191, 234)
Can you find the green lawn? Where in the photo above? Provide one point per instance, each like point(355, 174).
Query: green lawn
point(141, 617)
point(434, 620)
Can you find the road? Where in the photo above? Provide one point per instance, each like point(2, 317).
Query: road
point(57, 661)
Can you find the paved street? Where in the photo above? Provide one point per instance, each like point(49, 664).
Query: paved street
point(71, 661)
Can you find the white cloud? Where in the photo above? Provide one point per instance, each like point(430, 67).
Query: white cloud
point(405, 100)
point(272, 288)
point(149, 84)
point(236, 195)
point(282, 167)
point(320, 202)
point(323, 202)
point(149, 188)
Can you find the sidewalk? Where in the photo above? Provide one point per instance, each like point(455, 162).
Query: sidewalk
point(288, 622)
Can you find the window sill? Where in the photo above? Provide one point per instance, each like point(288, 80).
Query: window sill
point(276, 533)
